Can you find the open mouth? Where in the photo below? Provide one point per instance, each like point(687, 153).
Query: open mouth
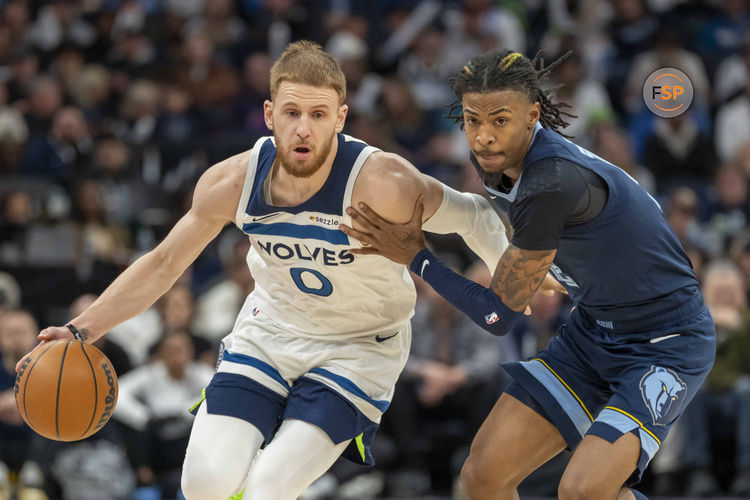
point(301, 152)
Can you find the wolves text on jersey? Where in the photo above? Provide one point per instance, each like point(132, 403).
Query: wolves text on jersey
point(303, 252)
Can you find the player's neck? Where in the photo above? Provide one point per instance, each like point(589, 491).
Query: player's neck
point(514, 173)
point(288, 190)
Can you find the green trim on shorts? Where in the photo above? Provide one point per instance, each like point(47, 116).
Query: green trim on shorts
point(196, 405)
point(361, 447)
point(238, 496)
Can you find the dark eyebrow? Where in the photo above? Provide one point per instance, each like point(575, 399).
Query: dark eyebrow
point(503, 109)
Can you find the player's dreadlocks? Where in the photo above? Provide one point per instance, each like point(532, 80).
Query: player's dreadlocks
point(504, 69)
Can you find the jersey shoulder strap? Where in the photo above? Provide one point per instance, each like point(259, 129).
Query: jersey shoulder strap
point(258, 162)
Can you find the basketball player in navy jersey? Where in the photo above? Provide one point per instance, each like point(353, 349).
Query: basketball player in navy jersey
point(639, 341)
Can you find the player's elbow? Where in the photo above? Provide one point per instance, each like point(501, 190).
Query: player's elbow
point(163, 264)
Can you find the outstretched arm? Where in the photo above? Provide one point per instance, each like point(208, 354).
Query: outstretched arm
point(472, 217)
point(517, 277)
point(390, 185)
point(215, 202)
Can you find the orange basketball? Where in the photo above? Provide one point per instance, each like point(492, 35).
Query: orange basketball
point(66, 390)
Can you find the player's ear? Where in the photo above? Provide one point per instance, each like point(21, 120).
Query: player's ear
point(341, 117)
point(268, 114)
point(534, 114)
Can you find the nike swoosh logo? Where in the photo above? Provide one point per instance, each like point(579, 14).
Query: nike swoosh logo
point(493, 197)
point(255, 219)
point(378, 338)
point(659, 339)
point(424, 265)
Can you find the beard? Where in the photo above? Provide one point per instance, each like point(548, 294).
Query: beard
point(492, 179)
point(305, 168)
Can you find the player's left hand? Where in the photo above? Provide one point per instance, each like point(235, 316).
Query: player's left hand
point(397, 242)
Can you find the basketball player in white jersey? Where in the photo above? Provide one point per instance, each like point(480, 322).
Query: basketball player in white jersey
point(315, 353)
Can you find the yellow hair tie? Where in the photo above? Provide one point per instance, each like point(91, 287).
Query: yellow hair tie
point(510, 58)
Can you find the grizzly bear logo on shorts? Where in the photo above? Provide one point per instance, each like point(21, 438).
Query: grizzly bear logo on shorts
point(663, 393)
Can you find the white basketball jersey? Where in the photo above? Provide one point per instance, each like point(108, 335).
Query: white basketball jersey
point(306, 280)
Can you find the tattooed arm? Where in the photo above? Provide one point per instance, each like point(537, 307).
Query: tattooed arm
point(519, 274)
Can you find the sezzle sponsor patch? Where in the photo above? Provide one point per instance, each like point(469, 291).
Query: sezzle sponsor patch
point(324, 220)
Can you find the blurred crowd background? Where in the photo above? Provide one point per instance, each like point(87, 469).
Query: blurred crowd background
point(110, 110)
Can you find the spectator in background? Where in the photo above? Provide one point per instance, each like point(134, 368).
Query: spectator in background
point(722, 35)
point(91, 91)
point(481, 25)
point(612, 144)
point(733, 125)
point(733, 74)
point(16, 216)
point(58, 23)
point(411, 126)
point(247, 109)
point(99, 239)
point(678, 153)
point(221, 25)
point(24, 72)
point(213, 83)
point(43, 100)
point(13, 136)
point(217, 308)
point(132, 52)
point(102, 21)
point(727, 208)
point(632, 30)
point(10, 293)
point(153, 400)
point(739, 253)
point(179, 127)
point(681, 211)
point(63, 152)
point(427, 67)
point(17, 18)
point(125, 194)
point(588, 99)
point(18, 330)
point(138, 112)
point(177, 308)
point(362, 85)
point(66, 66)
point(722, 406)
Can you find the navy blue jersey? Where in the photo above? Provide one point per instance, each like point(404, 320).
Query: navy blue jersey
point(621, 266)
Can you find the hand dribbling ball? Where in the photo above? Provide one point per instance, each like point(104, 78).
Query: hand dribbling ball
point(66, 390)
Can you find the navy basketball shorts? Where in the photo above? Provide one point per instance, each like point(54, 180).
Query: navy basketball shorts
point(594, 380)
point(343, 386)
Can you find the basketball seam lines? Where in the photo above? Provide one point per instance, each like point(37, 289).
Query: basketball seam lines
point(96, 393)
point(57, 398)
point(26, 385)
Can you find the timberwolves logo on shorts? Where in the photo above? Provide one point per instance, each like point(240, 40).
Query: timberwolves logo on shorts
point(663, 392)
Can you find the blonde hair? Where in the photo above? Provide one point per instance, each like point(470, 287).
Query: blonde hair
point(306, 62)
